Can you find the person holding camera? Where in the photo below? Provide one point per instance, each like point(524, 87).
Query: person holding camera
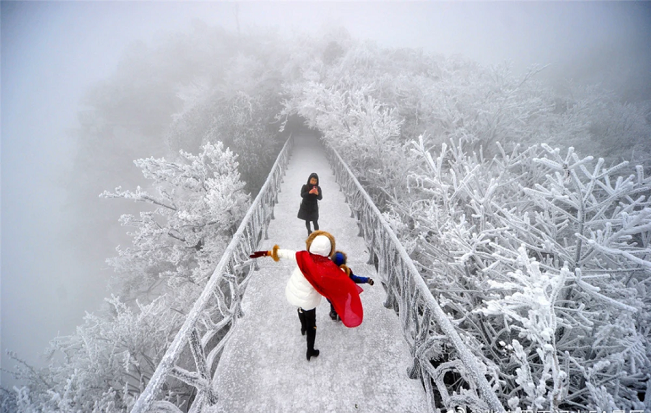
point(309, 209)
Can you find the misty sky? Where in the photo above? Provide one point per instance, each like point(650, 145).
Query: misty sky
point(53, 51)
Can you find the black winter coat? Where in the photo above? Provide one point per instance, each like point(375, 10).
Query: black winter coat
point(309, 209)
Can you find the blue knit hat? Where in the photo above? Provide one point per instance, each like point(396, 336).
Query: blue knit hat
point(339, 258)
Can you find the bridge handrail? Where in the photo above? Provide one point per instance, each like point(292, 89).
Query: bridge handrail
point(416, 304)
point(231, 273)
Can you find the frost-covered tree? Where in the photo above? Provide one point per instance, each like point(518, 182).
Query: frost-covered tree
point(371, 102)
point(595, 120)
point(445, 98)
point(197, 205)
point(544, 260)
point(238, 108)
point(161, 98)
point(246, 122)
point(104, 365)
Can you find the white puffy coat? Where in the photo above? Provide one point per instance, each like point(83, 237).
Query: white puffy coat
point(299, 291)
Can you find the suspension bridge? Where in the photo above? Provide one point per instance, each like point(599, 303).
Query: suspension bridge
point(241, 348)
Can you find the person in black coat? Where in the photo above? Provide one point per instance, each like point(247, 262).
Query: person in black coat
point(309, 210)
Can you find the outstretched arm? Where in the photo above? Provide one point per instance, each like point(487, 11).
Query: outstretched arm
point(276, 254)
point(361, 280)
point(258, 254)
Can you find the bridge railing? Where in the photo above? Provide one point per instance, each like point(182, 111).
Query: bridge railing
point(209, 324)
point(409, 296)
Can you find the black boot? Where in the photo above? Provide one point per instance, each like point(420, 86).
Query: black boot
point(333, 313)
point(310, 321)
point(301, 316)
point(311, 337)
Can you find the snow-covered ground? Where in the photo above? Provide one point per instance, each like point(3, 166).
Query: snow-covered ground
point(264, 368)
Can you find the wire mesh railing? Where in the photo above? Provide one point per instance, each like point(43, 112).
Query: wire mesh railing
point(419, 312)
point(209, 324)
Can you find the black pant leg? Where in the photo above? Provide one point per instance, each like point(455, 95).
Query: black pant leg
point(333, 313)
point(301, 316)
point(310, 324)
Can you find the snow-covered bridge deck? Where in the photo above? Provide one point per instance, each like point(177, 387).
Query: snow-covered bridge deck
point(263, 367)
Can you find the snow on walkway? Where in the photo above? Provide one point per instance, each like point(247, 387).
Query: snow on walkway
point(264, 368)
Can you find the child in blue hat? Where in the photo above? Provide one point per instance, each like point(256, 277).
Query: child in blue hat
point(340, 259)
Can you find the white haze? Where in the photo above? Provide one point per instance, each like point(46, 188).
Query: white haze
point(52, 52)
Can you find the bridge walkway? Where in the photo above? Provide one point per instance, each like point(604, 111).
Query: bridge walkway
point(263, 367)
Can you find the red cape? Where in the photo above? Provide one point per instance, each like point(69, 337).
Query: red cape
point(332, 283)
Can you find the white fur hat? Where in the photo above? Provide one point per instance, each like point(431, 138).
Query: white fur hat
point(321, 243)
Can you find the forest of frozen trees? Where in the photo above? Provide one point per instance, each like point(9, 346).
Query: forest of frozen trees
point(524, 205)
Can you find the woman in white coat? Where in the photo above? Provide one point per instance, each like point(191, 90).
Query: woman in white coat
point(316, 275)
